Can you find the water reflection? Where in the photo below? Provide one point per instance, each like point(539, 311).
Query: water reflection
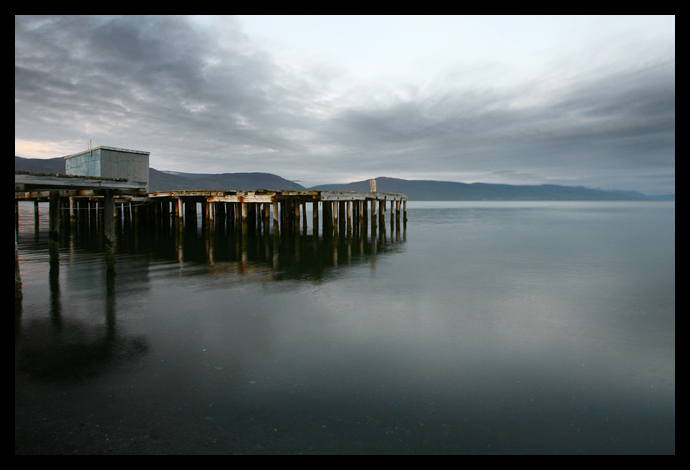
point(242, 250)
point(64, 348)
point(65, 344)
point(504, 331)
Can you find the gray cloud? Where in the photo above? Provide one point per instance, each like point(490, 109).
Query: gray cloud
point(204, 100)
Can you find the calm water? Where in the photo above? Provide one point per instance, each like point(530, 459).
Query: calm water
point(480, 328)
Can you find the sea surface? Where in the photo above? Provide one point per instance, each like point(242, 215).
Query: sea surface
point(475, 328)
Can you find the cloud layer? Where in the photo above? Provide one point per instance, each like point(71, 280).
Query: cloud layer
point(205, 98)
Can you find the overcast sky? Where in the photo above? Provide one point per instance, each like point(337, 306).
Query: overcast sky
point(519, 100)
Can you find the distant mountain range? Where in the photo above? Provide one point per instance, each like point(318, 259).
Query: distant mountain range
point(418, 190)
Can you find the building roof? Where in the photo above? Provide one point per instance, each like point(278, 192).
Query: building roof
point(141, 152)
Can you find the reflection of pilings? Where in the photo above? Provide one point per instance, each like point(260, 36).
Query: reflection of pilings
point(109, 229)
point(53, 227)
point(35, 215)
point(54, 283)
point(17, 279)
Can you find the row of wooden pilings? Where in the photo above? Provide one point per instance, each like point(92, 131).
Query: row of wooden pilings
point(286, 214)
point(251, 212)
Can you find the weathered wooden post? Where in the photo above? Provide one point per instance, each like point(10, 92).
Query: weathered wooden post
point(276, 229)
point(109, 228)
point(167, 212)
point(315, 218)
point(392, 214)
point(374, 220)
point(136, 216)
point(220, 214)
point(304, 217)
point(382, 210)
point(336, 223)
point(327, 218)
point(127, 209)
point(157, 211)
point(296, 221)
point(364, 216)
point(244, 218)
point(238, 214)
point(99, 215)
point(230, 216)
point(177, 213)
point(72, 213)
point(349, 216)
point(210, 216)
point(372, 186)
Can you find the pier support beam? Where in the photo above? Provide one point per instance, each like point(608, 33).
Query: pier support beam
point(315, 218)
point(244, 217)
point(374, 221)
point(349, 216)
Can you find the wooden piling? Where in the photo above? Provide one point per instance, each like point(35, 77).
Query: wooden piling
point(294, 216)
point(315, 218)
point(73, 212)
point(304, 217)
point(349, 216)
point(374, 220)
point(245, 227)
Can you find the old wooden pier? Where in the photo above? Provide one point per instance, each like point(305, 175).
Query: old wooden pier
point(266, 212)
